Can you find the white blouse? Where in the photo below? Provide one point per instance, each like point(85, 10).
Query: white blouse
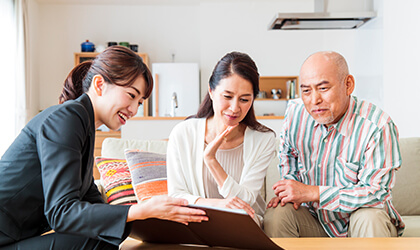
point(231, 161)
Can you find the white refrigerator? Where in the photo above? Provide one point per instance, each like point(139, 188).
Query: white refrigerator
point(177, 89)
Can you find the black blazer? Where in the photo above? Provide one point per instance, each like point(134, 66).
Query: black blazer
point(46, 179)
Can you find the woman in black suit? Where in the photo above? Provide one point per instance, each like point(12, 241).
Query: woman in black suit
point(46, 173)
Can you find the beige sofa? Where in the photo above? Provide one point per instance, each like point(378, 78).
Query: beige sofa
point(405, 192)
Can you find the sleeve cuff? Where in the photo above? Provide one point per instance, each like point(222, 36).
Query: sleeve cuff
point(192, 199)
point(120, 230)
point(227, 187)
point(329, 198)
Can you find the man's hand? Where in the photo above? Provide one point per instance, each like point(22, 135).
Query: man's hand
point(273, 202)
point(294, 192)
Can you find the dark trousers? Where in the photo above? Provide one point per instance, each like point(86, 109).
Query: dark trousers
point(58, 241)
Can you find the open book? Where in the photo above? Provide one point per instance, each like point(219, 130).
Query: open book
point(225, 228)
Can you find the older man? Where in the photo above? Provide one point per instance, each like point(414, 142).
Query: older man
point(338, 158)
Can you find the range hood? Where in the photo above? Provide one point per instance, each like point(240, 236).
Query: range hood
point(320, 19)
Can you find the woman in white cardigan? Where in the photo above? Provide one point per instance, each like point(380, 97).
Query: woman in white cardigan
point(221, 155)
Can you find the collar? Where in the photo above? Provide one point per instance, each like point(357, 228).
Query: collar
point(84, 99)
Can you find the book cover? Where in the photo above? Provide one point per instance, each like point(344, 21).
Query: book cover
point(225, 228)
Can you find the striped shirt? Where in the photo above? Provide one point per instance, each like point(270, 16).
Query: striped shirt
point(353, 162)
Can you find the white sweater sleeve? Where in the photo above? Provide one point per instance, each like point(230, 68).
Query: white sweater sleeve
point(181, 181)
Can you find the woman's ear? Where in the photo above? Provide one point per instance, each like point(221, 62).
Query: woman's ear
point(98, 84)
point(210, 93)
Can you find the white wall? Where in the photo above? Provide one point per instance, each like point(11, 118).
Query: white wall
point(33, 39)
point(367, 66)
point(158, 30)
point(148, 129)
point(401, 85)
point(381, 54)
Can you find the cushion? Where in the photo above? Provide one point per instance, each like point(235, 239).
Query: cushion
point(148, 173)
point(412, 226)
point(273, 175)
point(407, 184)
point(116, 180)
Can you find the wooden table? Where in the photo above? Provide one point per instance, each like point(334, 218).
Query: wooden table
point(348, 243)
point(405, 243)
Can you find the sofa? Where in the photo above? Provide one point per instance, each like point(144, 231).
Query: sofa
point(405, 192)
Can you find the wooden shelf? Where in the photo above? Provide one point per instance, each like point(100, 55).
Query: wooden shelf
point(267, 83)
point(84, 56)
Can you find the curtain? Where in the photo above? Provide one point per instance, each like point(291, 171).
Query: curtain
point(13, 82)
point(21, 14)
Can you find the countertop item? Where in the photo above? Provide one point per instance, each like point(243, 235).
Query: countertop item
point(134, 47)
point(112, 44)
point(100, 48)
point(125, 44)
point(88, 46)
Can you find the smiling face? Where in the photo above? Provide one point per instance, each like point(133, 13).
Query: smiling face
point(117, 104)
point(325, 88)
point(232, 99)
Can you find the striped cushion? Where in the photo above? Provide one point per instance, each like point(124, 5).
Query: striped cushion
point(116, 180)
point(148, 173)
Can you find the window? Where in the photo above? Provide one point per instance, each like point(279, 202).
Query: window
point(12, 71)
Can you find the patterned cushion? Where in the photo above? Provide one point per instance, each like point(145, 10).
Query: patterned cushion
point(116, 179)
point(148, 173)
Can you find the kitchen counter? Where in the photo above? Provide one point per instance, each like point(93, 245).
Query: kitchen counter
point(158, 128)
point(151, 118)
point(140, 118)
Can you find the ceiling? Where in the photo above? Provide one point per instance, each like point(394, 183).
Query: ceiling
point(133, 2)
point(141, 2)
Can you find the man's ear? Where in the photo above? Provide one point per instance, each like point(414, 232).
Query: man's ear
point(349, 85)
point(98, 84)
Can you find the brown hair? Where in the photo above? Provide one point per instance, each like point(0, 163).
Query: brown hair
point(242, 65)
point(117, 65)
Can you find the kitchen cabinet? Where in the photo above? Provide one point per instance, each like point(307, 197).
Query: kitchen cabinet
point(266, 105)
point(84, 56)
point(80, 57)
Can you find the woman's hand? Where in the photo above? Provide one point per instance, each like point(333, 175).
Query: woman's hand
point(213, 146)
point(166, 208)
point(232, 203)
point(236, 203)
point(210, 160)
